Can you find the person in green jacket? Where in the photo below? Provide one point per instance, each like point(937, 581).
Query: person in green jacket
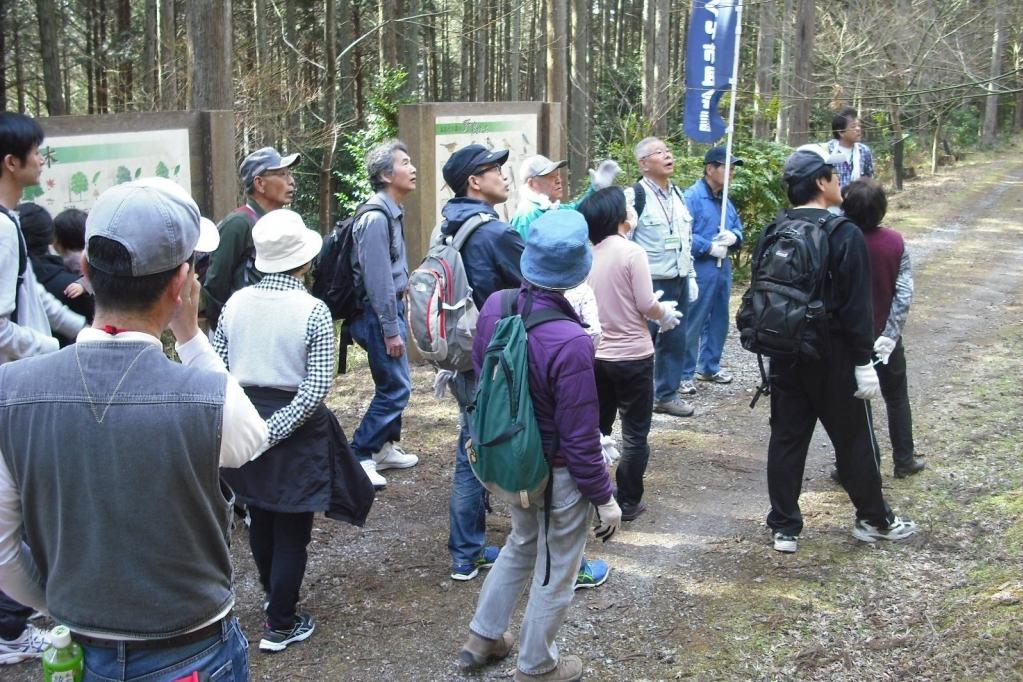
point(269, 185)
point(542, 188)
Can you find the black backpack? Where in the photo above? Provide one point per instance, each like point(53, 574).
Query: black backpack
point(333, 278)
point(782, 314)
point(22, 261)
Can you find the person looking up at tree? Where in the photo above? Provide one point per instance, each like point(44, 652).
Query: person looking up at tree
point(268, 184)
point(491, 259)
point(663, 228)
point(380, 268)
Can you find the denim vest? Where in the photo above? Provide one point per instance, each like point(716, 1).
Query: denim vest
point(122, 507)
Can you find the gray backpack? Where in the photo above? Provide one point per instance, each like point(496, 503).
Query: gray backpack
point(441, 313)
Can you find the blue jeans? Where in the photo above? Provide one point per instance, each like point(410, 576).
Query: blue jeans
point(382, 422)
point(220, 658)
point(467, 511)
point(670, 347)
point(707, 322)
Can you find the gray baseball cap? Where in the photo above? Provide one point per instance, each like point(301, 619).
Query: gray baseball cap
point(538, 165)
point(263, 160)
point(155, 220)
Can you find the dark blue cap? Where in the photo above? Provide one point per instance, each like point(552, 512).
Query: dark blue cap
point(717, 155)
point(466, 160)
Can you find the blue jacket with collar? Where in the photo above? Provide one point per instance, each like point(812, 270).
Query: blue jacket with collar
point(706, 211)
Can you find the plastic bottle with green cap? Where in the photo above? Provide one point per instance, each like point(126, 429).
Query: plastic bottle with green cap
point(62, 662)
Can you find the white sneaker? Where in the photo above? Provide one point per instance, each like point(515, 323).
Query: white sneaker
point(686, 388)
point(29, 645)
point(900, 529)
point(370, 467)
point(783, 542)
point(391, 456)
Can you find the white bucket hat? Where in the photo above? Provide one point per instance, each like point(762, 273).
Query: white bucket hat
point(283, 242)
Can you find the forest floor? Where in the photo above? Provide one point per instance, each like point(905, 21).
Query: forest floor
point(696, 591)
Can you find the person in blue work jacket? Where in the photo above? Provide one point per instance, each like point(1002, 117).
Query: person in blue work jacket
point(707, 322)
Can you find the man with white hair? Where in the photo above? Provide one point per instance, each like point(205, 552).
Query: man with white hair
point(663, 227)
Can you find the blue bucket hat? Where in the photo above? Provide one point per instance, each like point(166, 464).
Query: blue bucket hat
point(557, 254)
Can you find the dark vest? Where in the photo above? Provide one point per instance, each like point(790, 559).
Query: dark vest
point(122, 506)
point(886, 248)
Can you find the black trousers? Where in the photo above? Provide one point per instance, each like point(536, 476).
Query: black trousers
point(627, 388)
point(801, 394)
point(278, 541)
point(896, 401)
point(13, 617)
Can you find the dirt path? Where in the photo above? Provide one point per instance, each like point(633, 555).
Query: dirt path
point(696, 591)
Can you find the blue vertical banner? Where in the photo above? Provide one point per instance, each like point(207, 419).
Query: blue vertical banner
point(710, 56)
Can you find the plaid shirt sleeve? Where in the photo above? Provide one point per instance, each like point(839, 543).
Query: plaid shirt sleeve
point(319, 341)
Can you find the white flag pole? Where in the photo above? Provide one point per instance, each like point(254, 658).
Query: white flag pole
point(731, 119)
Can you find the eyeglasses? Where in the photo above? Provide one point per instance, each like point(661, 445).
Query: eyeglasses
point(280, 173)
point(659, 152)
point(483, 171)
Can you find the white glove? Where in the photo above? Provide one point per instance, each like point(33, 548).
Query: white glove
point(658, 294)
point(727, 238)
point(605, 174)
point(670, 318)
point(440, 382)
point(883, 348)
point(694, 290)
point(609, 515)
point(867, 385)
point(718, 250)
point(608, 449)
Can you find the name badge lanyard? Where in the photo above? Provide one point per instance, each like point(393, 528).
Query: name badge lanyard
point(676, 242)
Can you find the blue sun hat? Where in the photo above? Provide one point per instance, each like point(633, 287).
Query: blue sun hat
point(557, 254)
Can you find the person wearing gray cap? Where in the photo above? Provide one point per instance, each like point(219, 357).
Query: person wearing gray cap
point(268, 184)
point(542, 188)
point(28, 316)
point(94, 433)
point(836, 388)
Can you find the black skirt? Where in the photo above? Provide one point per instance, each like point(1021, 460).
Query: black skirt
point(311, 470)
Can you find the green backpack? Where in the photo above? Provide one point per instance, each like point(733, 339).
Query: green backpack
point(507, 454)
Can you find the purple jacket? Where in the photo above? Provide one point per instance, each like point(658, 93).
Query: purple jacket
point(563, 387)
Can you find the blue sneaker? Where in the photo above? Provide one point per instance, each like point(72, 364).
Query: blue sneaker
point(486, 559)
point(593, 573)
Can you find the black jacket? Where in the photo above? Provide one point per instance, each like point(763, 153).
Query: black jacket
point(491, 256)
point(50, 271)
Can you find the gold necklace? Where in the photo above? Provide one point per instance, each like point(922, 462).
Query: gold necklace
point(99, 417)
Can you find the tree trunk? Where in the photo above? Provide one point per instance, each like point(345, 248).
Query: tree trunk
point(19, 62)
point(557, 56)
point(388, 34)
point(360, 93)
point(168, 66)
point(3, 54)
point(935, 141)
point(802, 73)
point(480, 43)
point(655, 74)
point(764, 86)
point(329, 114)
point(781, 131)
point(209, 35)
point(124, 67)
point(412, 47)
point(579, 96)
point(515, 57)
point(149, 75)
point(991, 102)
point(46, 12)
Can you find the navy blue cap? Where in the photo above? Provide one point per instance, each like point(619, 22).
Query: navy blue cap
point(466, 160)
point(717, 155)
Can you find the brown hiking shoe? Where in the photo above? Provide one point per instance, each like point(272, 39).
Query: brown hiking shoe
point(479, 651)
point(570, 669)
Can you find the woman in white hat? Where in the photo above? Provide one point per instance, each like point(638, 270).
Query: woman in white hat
point(277, 340)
